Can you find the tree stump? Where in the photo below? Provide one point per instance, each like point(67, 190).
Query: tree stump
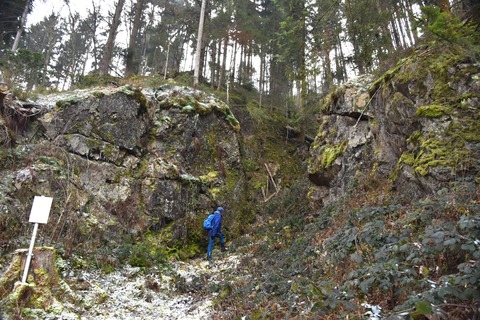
point(42, 280)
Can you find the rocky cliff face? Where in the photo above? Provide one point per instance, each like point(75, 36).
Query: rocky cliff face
point(120, 163)
point(416, 131)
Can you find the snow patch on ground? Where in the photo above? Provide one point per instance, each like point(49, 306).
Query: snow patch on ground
point(131, 293)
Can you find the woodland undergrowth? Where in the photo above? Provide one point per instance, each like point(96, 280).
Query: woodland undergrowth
point(361, 258)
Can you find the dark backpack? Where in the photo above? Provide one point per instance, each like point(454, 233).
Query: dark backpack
point(207, 223)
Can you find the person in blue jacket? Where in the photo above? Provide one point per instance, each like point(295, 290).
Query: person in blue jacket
point(216, 232)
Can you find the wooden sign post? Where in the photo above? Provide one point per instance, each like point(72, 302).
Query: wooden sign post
point(39, 214)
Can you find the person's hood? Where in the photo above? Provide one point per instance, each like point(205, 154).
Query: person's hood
point(220, 209)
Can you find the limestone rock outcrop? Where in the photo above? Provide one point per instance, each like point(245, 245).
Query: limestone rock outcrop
point(416, 131)
point(122, 162)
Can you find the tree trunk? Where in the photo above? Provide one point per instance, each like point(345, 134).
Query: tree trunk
point(21, 27)
point(279, 84)
point(203, 60)
point(73, 36)
point(412, 21)
point(328, 62)
point(250, 62)
point(234, 62)
point(52, 35)
point(241, 64)
point(108, 51)
point(402, 35)
point(384, 26)
point(42, 273)
point(166, 60)
point(397, 18)
point(261, 80)
point(213, 63)
point(149, 60)
point(219, 61)
point(303, 78)
point(338, 67)
point(196, 74)
point(343, 61)
point(94, 35)
point(408, 23)
point(224, 62)
point(444, 5)
point(131, 66)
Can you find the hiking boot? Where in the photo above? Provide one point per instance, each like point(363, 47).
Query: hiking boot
point(209, 258)
point(224, 249)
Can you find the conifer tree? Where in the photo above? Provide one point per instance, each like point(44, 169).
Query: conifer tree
point(292, 39)
point(10, 13)
point(44, 37)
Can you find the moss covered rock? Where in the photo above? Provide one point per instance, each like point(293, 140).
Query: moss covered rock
point(417, 131)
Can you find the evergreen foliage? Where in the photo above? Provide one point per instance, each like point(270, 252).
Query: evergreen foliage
point(22, 68)
point(10, 12)
point(448, 27)
point(271, 30)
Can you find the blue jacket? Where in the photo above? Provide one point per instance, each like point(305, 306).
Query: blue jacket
point(216, 224)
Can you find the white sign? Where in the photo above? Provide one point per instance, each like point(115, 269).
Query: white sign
point(40, 209)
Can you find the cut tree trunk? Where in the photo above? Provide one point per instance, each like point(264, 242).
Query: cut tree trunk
point(42, 280)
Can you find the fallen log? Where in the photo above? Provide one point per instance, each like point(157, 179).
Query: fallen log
point(295, 133)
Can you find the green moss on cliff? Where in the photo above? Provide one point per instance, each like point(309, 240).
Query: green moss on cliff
point(469, 130)
point(67, 101)
point(232, 121)
point(435, 152)
point(331, 99)
point(137, 95)
point(98, 94)
point(94, 79)
point(210, 177)
point(331, 152)
point(387, 76)
point(436, 75)
point(196, 103)
point(432, 111)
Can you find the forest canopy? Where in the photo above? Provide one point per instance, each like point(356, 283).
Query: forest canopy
point(278, 47)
